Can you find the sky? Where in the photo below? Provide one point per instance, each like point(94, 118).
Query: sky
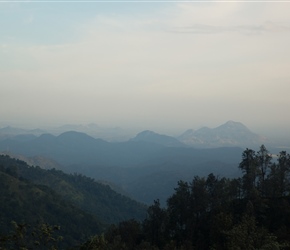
point(170, 65)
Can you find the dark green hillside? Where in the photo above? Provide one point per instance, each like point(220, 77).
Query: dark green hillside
point(25, 202)
point(85, 193)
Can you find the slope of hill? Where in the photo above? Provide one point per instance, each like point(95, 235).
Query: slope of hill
point(85, 193)
point(24, 202)
point(226, 135)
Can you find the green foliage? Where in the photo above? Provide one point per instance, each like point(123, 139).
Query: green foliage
point(252, 212)
point(263, 164)
point(155, 226)
point(125, 236)
point(24, 237)
point(31, 204)
point(84, 192)
point(247, 235)
point(279, 177)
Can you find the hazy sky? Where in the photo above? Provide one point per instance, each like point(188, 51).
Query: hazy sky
point(175, 65)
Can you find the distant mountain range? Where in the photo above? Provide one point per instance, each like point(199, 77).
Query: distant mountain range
point(147, 162)
point(134, 166)
point(94, 130)
point(230, 134)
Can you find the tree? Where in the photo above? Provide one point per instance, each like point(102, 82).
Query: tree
point(179, 211)
point(248, 166)
point(247, 235)
point(155, 226)
point(263, 162)
point(218, 192)
point(25, 237)
point(97, 242)
point(130, 232)
point(235, 189)
point(279, 176)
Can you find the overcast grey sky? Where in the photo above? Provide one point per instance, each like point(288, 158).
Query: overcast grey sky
point(175, 65)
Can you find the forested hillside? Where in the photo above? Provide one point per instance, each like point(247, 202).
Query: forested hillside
point(33, 206)
point(78, 204)
point(82, 191)
point(251, 212)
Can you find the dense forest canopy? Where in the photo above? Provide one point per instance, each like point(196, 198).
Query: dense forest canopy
point(250, 212)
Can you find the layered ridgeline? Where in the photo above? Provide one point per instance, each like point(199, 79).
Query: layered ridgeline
point(146, 166)
point(78, 204)
point(94, 130)
point(230, 134)
point(146, 170)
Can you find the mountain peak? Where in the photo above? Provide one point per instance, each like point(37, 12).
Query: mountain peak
point(228, 134)
point(71, 137)
point(73, 134)
point(233, 125)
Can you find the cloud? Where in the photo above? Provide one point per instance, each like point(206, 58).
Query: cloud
point(242, 29)
point(235, 17)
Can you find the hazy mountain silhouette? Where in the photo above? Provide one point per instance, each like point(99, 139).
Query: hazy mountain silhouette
point(96, 131)
point(79, 148)
point(9, 131)
point(226, 135)
point(132, 164)
point(107, 133)
point(165, 140)
point(12, 130)
point(149, 160)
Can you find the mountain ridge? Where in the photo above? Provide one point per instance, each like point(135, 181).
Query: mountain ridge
point(231, 133)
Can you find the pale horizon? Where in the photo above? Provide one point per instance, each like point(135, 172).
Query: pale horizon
point(164, 66)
